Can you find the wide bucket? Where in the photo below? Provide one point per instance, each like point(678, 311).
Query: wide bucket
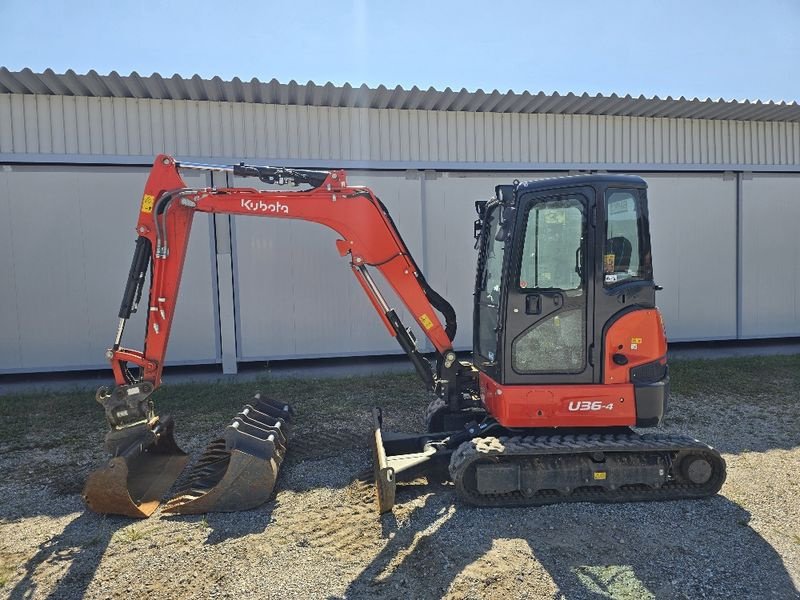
point(146, 464)
point(237, 471)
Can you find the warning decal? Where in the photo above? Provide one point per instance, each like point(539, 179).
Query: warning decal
point(425, 321)
point(147, 203)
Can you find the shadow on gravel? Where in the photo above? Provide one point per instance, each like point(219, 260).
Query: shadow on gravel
point(81, 544)
point(685, 549)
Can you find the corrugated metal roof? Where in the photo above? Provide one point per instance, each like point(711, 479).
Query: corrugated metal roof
point(176, 87)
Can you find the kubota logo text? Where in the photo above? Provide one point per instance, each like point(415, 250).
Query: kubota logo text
point(581, 405)
point(267, 207)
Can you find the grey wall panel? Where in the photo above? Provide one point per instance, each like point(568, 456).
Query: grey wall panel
point(450, 256)
point(770, 256)
point(66, 240)
point(144, 127)
point(693, 225)
point(296, 297)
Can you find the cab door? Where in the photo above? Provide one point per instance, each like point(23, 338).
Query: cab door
point(548, 325)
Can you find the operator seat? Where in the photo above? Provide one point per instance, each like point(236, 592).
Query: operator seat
point(621, 248)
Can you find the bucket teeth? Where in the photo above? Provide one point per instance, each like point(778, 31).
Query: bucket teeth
point(237, 471)
point(146, 463)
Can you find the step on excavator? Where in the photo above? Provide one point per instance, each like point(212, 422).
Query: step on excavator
point(568, 362)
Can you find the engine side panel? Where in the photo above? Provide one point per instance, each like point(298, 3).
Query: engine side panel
point(559, 405)
point(637, 338)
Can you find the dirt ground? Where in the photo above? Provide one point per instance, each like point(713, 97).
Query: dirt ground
point(321, 538)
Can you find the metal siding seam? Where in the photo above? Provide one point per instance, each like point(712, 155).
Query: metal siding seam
point(413, 134)
point(495, 121)
point(70, 125)
point(452, 136)
point(133, 126)
point(625, 141)
point(6, 124)
point(293, 132)
point(480, 137)
point(281, 116)
point(82, 121)
point(304, 131)
point(515, 141)
point(363, 134)
point(260, 130)
point(739, 257)
point(58, 142)
point(462, 135)
point(106, 129)
point(524, 138)
point(145, 108)
point(239, 130)
point(541, 139)
point(335, 139)
point(190, 126)
point(567, 137)
point(346, 127)
point(394, 135)
point(558, 136)
point(374, 129)
point(31, 131)
point(112, 133)
point(42, 117)
point(207, 118)
point(226, 130)
point(271, 132)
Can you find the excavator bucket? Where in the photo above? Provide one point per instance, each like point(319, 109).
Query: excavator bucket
point(146, 463)
point(237, 471)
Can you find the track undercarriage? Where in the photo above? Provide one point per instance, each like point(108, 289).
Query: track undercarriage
point(492, 466)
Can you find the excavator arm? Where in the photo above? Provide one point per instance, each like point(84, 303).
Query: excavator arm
point(239, 470)
point(368, 236)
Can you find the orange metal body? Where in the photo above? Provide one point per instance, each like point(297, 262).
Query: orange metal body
point(367, 235)
point(638, 335)
point(580, 405)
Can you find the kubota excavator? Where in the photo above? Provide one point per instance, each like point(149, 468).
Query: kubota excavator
point(569, 351)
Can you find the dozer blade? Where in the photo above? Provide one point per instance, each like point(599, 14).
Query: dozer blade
point(146, 464)
point(384, 474)
point(239, 470)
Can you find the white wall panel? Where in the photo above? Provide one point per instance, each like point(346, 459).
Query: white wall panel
point(66, 241)
point(296, 297)
point(770, 256)
point(693, 229)
point(133, 127)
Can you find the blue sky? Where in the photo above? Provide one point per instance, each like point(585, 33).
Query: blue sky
point(713, 48)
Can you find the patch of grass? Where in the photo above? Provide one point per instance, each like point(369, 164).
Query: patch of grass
point(70, 420)
point(73, 420)
point(765, 377)
point(132, 534)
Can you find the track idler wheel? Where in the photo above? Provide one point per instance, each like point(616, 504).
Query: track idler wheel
point(146, 464)
point(237, 471)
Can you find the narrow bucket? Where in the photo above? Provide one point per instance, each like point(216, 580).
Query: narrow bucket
point(146, 463)
point(237, 471)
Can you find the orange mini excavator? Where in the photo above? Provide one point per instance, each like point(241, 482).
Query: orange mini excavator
point(569, 351)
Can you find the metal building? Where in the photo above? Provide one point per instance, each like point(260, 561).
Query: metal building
point(724, 181)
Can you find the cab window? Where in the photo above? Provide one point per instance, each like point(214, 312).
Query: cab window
point(626, 255)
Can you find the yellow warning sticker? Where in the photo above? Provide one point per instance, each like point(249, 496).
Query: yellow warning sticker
point(147, 203)
point(425, 321)
point(608, 263)
point(600, 475)
point(636, 340)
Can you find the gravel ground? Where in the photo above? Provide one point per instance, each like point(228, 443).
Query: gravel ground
point(320, 536)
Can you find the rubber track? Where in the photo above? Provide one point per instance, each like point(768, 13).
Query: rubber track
point(470, 453)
